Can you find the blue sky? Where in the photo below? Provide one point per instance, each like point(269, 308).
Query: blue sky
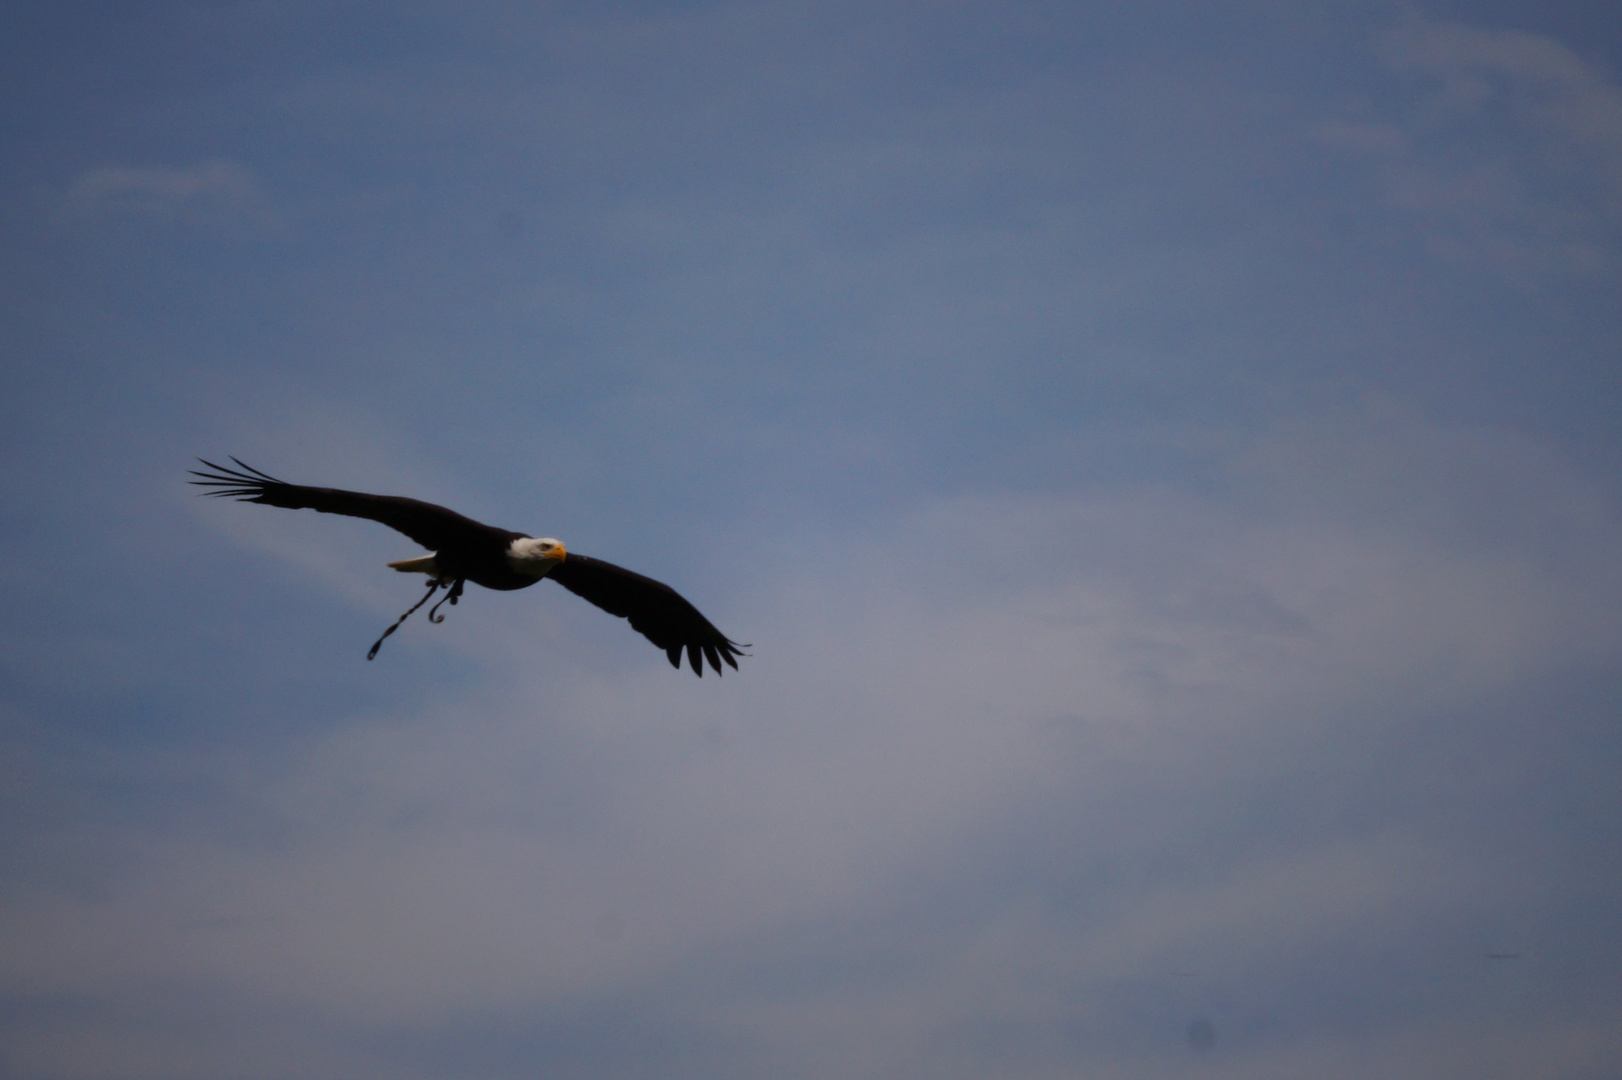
point(1164, 455)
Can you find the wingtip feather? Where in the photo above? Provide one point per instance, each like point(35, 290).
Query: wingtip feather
point(244, 486)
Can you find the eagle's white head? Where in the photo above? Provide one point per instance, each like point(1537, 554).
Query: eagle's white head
point(535, 557)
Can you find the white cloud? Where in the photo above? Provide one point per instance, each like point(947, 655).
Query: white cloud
point(217, 194)
point(1512, 149)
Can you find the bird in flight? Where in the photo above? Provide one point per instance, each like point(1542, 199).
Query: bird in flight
point(464, 550)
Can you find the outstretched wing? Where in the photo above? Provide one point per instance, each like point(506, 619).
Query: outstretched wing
point(656, 611)
point(434, 527)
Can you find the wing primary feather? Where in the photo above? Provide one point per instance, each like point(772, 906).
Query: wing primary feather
point(227, 481)
point(434, 527)
point(655, 610)
point(262, 475)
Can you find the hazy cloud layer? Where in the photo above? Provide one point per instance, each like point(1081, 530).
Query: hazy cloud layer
point(1155, 764)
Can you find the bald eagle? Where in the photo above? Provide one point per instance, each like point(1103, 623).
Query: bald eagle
point(464, 550)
